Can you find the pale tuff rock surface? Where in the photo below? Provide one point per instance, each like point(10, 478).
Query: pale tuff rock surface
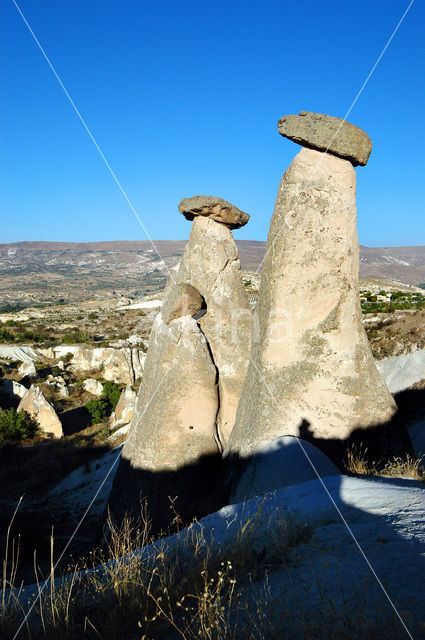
point(400, 372)
point(281, 463)
point(18, 353)
point(385, 516)
point(12, 388)
point(215, 208)
point(312, 371)
point(27, 369)
point(171, 452)
point(195, 366)
point(201, 339)
point(174, 420)
point(114, 365)
point(58, 384)
point(209, 285)
point(327, 133)
point(124, 410)
point(37, 406)
point(93, 386)
point(117, 365)
point(135, 359)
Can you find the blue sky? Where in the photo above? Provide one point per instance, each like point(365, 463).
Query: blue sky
point(183, 98)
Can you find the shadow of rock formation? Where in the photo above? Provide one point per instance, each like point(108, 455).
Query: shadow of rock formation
point(209, 483)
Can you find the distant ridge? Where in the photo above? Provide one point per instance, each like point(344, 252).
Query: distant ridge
point(47, 271)
point(406, 264)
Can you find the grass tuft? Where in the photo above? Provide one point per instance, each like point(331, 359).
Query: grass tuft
point(358, 463)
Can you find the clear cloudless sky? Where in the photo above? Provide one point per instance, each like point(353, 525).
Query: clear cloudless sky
point(183, 97)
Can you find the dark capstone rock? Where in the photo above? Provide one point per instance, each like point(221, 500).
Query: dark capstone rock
point(326, 133)
point(216, 208)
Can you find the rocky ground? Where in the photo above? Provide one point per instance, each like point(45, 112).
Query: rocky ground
point(75, 349)
point(393, 334)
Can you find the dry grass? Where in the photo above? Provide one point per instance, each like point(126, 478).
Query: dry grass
point(358, 463)
point(195, 590)
point(188, 591)
point(407, 467)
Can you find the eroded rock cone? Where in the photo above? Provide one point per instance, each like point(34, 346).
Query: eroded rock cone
point(125, 408)
point(42, 411)
point(196, 363)
point(209, 285)
point(312, 373)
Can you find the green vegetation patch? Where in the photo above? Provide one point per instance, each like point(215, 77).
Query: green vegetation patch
point(76, 337)
point(397, 300)
point(16, 425)
point(101, 409)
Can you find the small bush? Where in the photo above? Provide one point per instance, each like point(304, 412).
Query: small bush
point(111, 392)
point(6, 336)
point(358, 462)
point(102, 408)
point(29, 336)
point(75, 337)
point(98, 409)
point(16, 425)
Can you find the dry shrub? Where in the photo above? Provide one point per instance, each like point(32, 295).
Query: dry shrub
point(407, 467)
point(196, 589)
point(356, 460)
point(358, 463)
point(188, 590)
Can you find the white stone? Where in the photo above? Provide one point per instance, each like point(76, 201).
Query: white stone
point(119, 433)
point(18, 353)
point(59, 385)
point(27, 369)
point(125, 407)
point(196, 361)
point(210, 268)
point(42, 411)
point(116, 365)
point(12, 388)
point(147, 304)
point(400, 372)
point(93, 386)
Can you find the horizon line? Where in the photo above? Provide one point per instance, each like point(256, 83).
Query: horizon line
point(384, 246)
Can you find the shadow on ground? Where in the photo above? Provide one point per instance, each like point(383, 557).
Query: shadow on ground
point(178, 497)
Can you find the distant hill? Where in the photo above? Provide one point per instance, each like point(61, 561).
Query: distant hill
point(406, 264)
point(48, 271)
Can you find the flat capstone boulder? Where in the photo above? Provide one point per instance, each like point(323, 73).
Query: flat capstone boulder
point(327, 133)
point(216, 208)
